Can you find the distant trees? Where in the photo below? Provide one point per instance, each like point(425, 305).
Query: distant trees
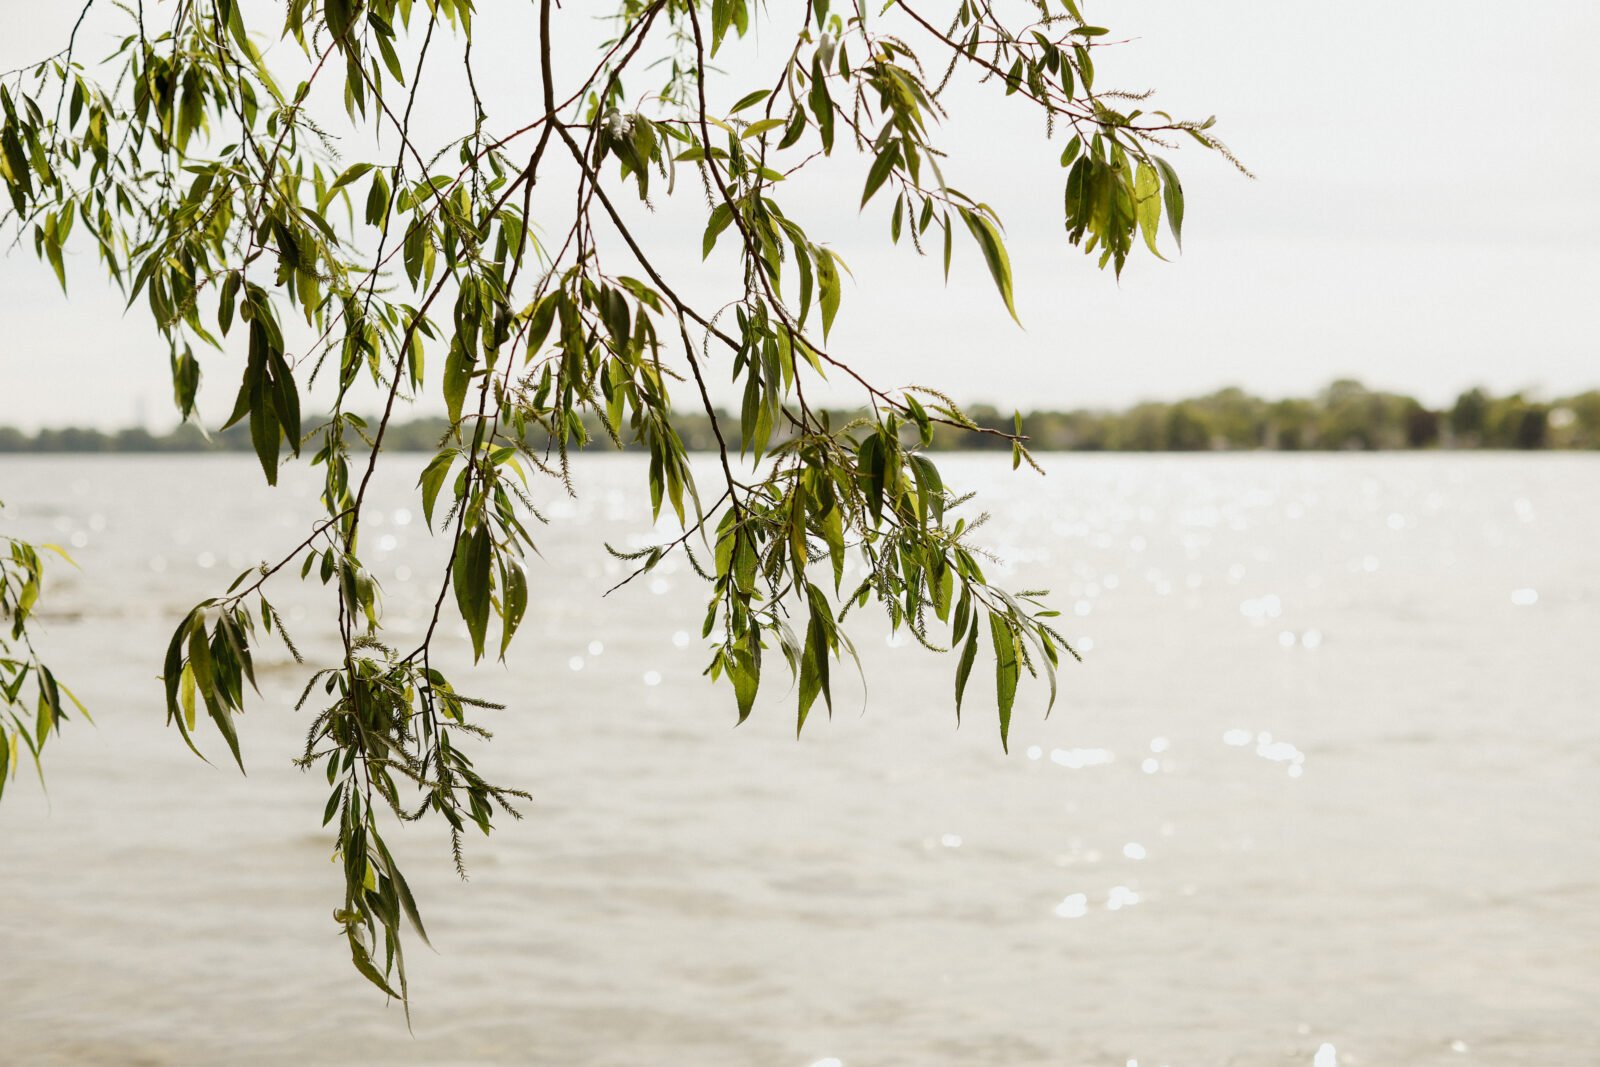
point(1345, 416)
point(1467, 418)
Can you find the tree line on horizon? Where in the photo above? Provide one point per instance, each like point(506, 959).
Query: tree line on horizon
point(1346, 416)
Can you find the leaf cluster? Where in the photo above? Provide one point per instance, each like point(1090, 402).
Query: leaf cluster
point(213, 194)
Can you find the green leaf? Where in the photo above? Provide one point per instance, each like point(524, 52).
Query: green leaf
point(457, 375)
point(796, 128)
point(930, 489)
point(882, 167)
point(1173, 193)
point(994, 255)
point(1147, 205)
point(814, 660)
point(1006, 672)
point(540, 322)
point(226, 300)
point(205, 681)
point(350, 175)
point(407, 901)
point(821, 105)
point(744, 670)
point(756, 129)
point(363, 962)
point(969, 655)
point(721, 218)
point(470, 576)
point(514, 603)
point(433, 479)
point(828, 284)
point(833, 533)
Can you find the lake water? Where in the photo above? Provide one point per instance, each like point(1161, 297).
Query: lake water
point(1325, 790)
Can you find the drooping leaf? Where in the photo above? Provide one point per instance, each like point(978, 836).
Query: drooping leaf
point(1172, 192)
point(1147, 205)
point(994, 255)
point(470, 576)
point(514, 602)
point(1006, 672)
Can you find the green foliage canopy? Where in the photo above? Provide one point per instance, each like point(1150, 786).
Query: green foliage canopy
point(212, 193)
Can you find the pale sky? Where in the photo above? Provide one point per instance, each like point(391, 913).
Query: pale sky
point(1422, 220)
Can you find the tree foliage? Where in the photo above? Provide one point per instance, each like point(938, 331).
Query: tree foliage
point(214, 194)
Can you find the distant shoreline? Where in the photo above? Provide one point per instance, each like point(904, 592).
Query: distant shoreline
point(1345, 417)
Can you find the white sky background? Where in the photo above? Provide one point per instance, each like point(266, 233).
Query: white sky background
point(1423, 220)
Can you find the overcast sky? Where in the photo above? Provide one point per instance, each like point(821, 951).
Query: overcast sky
point(1423, 219)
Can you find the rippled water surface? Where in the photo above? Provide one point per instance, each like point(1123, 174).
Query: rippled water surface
point(1325, 790)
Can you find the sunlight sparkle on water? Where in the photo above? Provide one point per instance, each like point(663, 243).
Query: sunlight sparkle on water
point(1278, 751)
point(1078, 758)
point(576, 663)
point(1121, 897)
point(830, 1061)
point(1266, 607)
point(652, 677)
point(1327, 1056)
point(1524, 598)
point(1074, 906)
point(1134, 851)
point(595, 648)
point(1034, 752)
point(681, 639)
